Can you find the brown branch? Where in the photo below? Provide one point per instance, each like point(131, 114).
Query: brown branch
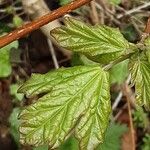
point(37, 8)
point(147, 28)
point(130, 98)
point(146, 32)
point(27, 28)
point(94, 13)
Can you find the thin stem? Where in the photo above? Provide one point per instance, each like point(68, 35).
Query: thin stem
point(24, 30)
point(134, 10)
point(94, 14)
point(119, 97)
point(128, 98)
point(52, 51)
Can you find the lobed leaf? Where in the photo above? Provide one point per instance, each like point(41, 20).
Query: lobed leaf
point(105, 58)
point(92, 126)
point(91, 40)
point(77, 99)
point(70, 144)
point(115, 2)
point(140, 72)
point(146, 142)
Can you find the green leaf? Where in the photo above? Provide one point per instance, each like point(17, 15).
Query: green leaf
point(80, 59)
point(13, 92)
point(91, 40)
point(43, 147)
point(115, 2)
point(70, 144)
point(75, 98)
point(147, 42)
point(119, 72)
point(14, 124)
point(17, 21)
point(87, 61)
point(140, 72)
point(140, 118)
point(5, 65)
point(76, 60)
point(112, 139)
point(64, 2)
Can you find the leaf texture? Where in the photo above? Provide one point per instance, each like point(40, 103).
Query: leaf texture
point(90, 40)
point(91, 128)
point(74, 99)
point(140, 72)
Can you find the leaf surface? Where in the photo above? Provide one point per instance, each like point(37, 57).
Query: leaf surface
point(140, 72)
point(90, 40)
point(92, 126)
point(76, 98)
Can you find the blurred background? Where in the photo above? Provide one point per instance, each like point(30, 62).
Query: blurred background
point(39, 53)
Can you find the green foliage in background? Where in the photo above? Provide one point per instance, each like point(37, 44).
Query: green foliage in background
point(140, 118)
point(146, 142)
point(100, 43)
point(130, 33)
point(43, 147)
point(4, 28)
point(140, 71)
point(113, 136)
point(64, 2)
point(112, 140)
point(14, 124)
point(5, 65)
point(71, 144)
point(13, 92)
point(119, 72)
point(115, 2)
